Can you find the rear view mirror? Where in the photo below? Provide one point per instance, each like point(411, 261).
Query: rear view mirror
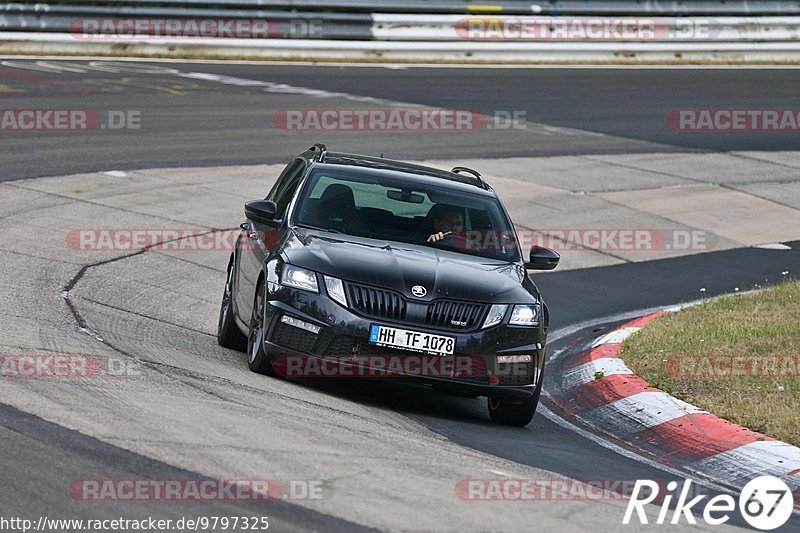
point(405, 196)
point(542, 258)
point(261, 211)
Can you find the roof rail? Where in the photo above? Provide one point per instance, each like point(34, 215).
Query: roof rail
point(322, 150)
point(459, 170)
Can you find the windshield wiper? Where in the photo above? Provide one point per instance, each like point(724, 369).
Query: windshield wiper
point(309, 226)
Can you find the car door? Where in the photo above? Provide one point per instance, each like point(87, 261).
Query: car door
point(260, 239)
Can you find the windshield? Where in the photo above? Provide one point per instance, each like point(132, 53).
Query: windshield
point(396, 210)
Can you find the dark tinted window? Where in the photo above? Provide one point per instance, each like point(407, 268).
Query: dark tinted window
point(396, 210)
point(280, 181)
point(287, 187)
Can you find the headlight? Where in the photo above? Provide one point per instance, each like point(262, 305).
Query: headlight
point(301, 278)
point(335, 289)
point(495, 316)
point(525, 315)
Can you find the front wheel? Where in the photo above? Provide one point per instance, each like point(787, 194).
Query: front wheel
point(515, 414)
point(256, 356)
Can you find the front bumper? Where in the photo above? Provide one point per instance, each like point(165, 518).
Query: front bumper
point(343, 338)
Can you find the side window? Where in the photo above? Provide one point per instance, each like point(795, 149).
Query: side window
point(281, 180)
point(287, 187)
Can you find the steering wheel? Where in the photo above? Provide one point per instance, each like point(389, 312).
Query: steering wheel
point(456, 239)
point(453, 241)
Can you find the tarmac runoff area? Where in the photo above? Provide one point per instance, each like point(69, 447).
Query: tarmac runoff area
point(159, 308)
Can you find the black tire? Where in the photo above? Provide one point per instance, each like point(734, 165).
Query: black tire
point(228, 333)
point(515, 414)
point(257, 358)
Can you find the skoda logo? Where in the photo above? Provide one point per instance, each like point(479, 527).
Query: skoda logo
point(419, 291)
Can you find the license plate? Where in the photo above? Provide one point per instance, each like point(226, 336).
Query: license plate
point(411, 340)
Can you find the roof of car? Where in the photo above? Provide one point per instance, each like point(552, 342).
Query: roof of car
point(382, 164)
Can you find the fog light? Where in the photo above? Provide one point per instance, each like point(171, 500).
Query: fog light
point(302, 324)
point(514, 358)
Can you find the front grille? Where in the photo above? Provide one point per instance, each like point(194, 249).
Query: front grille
point(346, 345)
point(443, 314)
point(515, 373)
point(377, 302)
point(293, 338)
point(453, 315)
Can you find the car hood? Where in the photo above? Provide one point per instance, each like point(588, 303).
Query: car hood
point(400, 266)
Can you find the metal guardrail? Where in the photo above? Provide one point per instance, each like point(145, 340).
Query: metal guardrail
point(507, 7)
point(413, 51)
point(664, 8)
point(66, 18)
point(389, 27)
point(409, 29)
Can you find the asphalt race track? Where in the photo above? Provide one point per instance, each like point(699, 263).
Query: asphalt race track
point(190, 121)
point(198, 412)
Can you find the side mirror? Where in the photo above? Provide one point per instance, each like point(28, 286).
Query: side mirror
point(261, 211)
point(542, 258)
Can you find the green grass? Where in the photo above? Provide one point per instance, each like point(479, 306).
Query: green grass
point(678, 353)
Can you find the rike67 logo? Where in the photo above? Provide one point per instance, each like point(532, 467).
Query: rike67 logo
point(766, 503)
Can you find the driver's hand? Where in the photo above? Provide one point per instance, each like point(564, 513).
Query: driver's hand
point(436, 237)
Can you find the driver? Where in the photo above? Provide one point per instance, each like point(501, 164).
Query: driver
point(447, 220)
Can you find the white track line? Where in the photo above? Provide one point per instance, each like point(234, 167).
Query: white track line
point(757, 458)
point(390, 64)
point(585, 373)
point(639, 411)
point(616, 336)
point(629, 454)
